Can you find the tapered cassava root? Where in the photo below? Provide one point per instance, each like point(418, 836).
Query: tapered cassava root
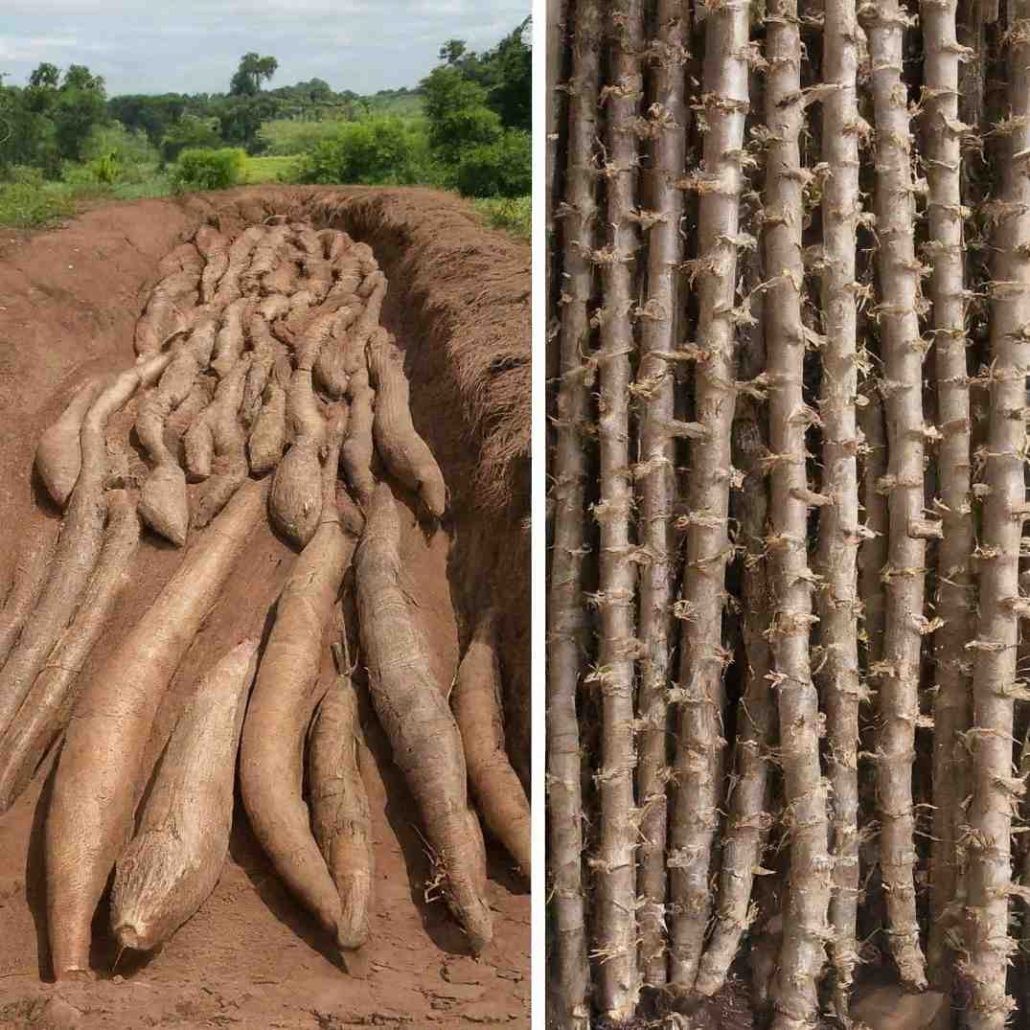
point(340, 816)
point(174, 861)
point(476, 703)
point(100, 773)
point(256, 354)
point(418, 722)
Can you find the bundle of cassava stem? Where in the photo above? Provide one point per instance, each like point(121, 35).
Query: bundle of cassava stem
point(790, 288)
point(262, 377)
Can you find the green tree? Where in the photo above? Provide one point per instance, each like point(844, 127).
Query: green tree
point(190, 132)
point(253, 70)
point(154, 115)
point(46, 76)
point(457, 114)
point(453, 51)
point(241, 117)
point(499, 169)
point(507, 73)
point(79, 106)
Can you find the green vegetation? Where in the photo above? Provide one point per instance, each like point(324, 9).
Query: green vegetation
point(208, 169)
point(465, 127)
point(512, 214)
point(269, 169)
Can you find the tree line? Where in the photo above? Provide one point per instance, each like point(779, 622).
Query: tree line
point(473, 128)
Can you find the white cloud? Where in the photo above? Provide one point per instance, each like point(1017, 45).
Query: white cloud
point(193, 45)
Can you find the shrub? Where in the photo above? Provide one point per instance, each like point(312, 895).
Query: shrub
point(373, 151)
point(512, 214)
point(208, 169)
point(116, 154)
point(499, 169)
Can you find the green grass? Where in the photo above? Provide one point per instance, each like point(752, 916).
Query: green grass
point(25, 205)
point(268, 169)
point(32, 205)
point(512, 214)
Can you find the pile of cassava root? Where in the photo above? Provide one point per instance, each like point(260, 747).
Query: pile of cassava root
point(791, 338)
point(263, 378)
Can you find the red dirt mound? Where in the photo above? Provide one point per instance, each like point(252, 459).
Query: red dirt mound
point(459, 306)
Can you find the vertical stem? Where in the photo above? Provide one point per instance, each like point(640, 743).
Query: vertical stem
point(802, 951)
point(994, 788)
point(618, 982)
point(839, 532)
point(566, 617)
point(656, 485)
point(748, 820)
point(902, 389)
point(954, 575)
point(699, 753)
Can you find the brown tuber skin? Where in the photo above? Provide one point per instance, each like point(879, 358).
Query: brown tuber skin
point(418, 722)
point(58, 454)
point(229, 443)
point(340, 815)
point(268, 434)
point(295, 502)
point(359, 448)
point(476, 703)
point(101, 770)
point(164, 504)
point(47, 707)
point(174, 861)
point(404, 453)
point(30, 574)
point(285, 693)
point(78, 545)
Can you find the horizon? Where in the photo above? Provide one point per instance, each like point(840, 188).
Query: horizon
point(362, 51)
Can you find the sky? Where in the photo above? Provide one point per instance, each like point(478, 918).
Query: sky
point(193, 46)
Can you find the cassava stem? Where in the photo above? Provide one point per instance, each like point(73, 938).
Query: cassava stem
point(618, 979)
point(654, 472)
point(1005, 510)
point(698, 764)
point(839, 608)
point(954, 574)
point(898, 674)
point(802, 951)
point(566, 618)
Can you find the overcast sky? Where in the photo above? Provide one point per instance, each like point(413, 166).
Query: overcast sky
point(192, 46)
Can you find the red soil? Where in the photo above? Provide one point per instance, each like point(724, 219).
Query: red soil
point(459, 304)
